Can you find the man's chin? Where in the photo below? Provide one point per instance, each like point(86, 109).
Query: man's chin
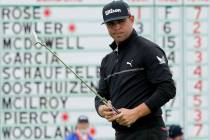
point(119, 39)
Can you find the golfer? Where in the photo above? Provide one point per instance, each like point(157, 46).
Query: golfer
point(135, 77)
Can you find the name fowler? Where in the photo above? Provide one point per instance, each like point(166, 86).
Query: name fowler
point(110, 11)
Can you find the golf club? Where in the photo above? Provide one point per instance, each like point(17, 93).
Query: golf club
point(36, 41)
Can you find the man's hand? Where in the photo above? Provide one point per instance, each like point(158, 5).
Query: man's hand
point(106, 112)
point(126, 117)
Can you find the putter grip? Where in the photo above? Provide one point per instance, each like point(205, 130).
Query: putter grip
point(115, 110)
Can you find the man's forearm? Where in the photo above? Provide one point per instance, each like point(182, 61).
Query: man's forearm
point(141, 110)
point(164, 92)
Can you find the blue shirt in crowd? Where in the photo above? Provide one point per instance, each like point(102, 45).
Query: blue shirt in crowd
point(74, 136)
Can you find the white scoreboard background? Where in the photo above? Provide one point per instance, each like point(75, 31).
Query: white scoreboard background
point(41, 100)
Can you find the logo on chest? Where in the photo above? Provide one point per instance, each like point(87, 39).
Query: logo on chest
point(130, 63)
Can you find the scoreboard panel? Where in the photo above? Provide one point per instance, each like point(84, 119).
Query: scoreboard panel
point(39, 99)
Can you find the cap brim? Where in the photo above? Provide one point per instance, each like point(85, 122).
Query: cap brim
point(113, 19)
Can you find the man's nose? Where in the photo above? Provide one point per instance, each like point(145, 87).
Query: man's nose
point(117, 26)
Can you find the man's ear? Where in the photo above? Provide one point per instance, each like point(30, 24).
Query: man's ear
point(131, 19)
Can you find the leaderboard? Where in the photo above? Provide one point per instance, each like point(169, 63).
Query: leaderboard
point(40, 99)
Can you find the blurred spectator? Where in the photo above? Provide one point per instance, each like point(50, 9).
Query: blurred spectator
point(175, 132)
point(82, 130)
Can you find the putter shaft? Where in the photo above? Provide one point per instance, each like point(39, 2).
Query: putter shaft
point(67, 67)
